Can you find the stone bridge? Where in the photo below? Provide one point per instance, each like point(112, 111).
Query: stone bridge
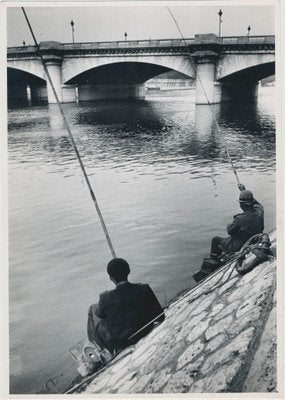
point(223, 67)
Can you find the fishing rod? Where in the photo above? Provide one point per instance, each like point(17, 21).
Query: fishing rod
point(72, 140)
point(206, 96)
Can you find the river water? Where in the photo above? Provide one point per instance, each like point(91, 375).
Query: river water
point(165, 187)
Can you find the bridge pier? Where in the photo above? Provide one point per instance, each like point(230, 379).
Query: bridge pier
point(205, 78)
point(54, 69)
point(69, 93)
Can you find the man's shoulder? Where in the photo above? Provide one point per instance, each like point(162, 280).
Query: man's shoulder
point(258, 207)
point(106, 294)
point(141, 286)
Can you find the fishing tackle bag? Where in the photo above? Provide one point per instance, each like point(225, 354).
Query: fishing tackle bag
point(256, 251)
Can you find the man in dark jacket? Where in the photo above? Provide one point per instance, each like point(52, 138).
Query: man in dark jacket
point(243, 226)
point(123, 311)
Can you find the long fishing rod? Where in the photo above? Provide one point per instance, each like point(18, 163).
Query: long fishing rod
point(72, 140)
point(206, 96)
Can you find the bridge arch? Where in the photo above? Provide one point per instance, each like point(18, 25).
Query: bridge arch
point(74, 67)
point(25, 87)
point(32, 67)
point(247, 66)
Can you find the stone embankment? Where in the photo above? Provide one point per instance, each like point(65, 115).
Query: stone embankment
point(218, 337)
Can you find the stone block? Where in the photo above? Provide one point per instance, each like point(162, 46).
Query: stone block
point(216, 342)
point(119, 375)
point(188, 326)
point(183, 315)
point(126, 387)
point(171, 355)
point(244, 308)
point(142, 354)
point(220, 326)
point(158, 381)
point(190, 353)
point(229, 309)
point(124, 379)
point(120, 363)
point(216, 309)
point(203, 303)
point(219, 381)
point(199, 330)
point(242, 293)
point(142, 381)
point(246, 320)
point(180, 382)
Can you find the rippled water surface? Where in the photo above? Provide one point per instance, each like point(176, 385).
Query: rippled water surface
point(165, 187)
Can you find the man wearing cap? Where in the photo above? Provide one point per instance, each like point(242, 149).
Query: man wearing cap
point(123, 311)
point(245, 225)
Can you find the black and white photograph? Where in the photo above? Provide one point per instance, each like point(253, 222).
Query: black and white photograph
point(141, 177)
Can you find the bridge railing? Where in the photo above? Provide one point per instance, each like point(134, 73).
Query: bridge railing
point(21, 49)
point(247, 39)
point(129, 43)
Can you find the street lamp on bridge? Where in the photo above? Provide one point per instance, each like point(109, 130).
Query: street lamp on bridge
point(248, 30)
point(126, 35)
point(72, 30)
point(220, 13)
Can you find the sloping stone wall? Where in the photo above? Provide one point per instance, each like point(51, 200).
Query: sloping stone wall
point(209, 341)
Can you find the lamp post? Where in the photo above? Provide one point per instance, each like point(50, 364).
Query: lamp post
point(72, 30)
point(126, 35)
point(248, 30)
point(24, 43)
point(220, 13)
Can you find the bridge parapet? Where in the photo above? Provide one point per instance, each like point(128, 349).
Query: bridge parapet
point(192, 43)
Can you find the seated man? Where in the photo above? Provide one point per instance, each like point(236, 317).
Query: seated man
point(244, 225)
point(123, 311)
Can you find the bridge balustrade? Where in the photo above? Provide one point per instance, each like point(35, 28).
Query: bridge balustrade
point(227, 40)
point(129, 43)
point(247, 39)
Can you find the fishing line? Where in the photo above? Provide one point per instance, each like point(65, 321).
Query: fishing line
point(72, 140)
point(205, 93)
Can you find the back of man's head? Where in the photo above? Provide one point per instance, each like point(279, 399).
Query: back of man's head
point(118, 269)
point(246, 200)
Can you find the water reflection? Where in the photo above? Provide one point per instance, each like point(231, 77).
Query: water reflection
point(56, 121)
point(144, 132)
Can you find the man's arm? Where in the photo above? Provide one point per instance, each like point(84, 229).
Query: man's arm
point(100, 309)
point(234, 226)
point(153, 306)
point(256, 204)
